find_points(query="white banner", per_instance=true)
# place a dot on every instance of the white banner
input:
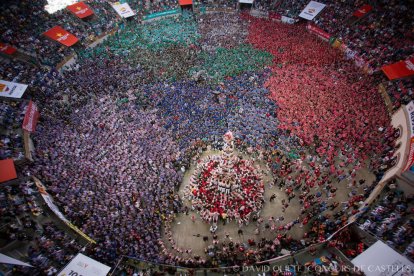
(288, 20)
(4, 259)
(12, 89)
(312, 10)
(380, 259)
(124, 10)
(410, 109)
(246, 1)
(410, 160)
(82, 265)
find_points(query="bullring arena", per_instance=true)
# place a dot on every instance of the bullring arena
(206, 138)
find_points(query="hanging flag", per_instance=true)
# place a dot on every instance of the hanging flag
(62, 36)
(7, 170)
(80, 9)
(10, 89)
(6, 49)
(123, 10)
(398, 70)
(362, 11)
(312, 10)
(31, 117)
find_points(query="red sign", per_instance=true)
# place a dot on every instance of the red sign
(6, 49)
(62, 36)
(318, 31)
(7, 170)
(80, 9)
(185, 2)
(362, 11)
(399, 69)
(31, 117)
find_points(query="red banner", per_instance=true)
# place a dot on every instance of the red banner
(80, 9)
(31, 117)
(399, 69)
(318, 31)
(62, 36)
(7, 170)
(362, 11)
(185, 2)
(6, 49)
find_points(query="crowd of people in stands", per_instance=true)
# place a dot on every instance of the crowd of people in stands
(11, 136)
(24, 222)
(112, 150)
(391, 219)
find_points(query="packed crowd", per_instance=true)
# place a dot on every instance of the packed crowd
(352, 125)
(128, 147)
(175, 86)
(391, 219)
(23, 25)
(11, 136)
(25, 223)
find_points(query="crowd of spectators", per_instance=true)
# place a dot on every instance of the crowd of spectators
(25, 224)
(391, 219)
(11, 136)
(119, 128)
(23, 26)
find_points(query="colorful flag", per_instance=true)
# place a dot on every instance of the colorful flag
(80, 9)
(62, 36)
(398, 70)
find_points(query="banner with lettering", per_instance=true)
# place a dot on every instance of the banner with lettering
(398, 70)
(82, 265)
(31, 117)
(312, 10)
(410, 160)
(123, 10)
(318, 31)
(6, 49)
(10, 89)
(62, 36)
(80, 9)
(362, 11)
